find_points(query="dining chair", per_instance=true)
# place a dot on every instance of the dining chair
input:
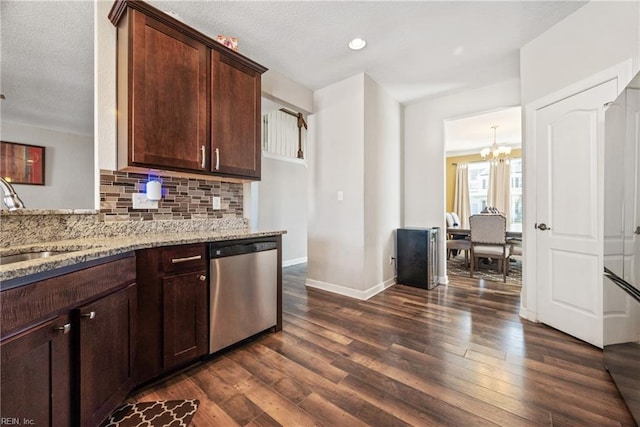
(489, 240)
(459, 245)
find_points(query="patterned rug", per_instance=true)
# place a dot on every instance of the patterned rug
(163, 413)
(457, 267)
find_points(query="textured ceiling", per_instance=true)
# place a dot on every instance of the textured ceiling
(415, 49)
(47, 64)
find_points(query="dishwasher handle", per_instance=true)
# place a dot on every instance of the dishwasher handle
(217, 251)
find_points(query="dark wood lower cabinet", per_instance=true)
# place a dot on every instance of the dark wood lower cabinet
(106, 329)
(185, 322)
(36, 378)
(172, 308)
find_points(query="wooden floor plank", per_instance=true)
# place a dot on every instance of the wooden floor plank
(456, 355)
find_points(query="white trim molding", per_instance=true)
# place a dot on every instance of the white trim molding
(350, 292)
(443, 280)
(294, 261)
(528, 314)
(282, 158)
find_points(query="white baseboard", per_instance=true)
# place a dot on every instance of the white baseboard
(294, 261)
(528, 314)
(350, 292)
(443, 280)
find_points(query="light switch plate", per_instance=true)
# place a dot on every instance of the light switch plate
(215, 202)
(140, 201)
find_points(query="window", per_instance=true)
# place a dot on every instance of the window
(478, 190)
(516, 195)
(478, 186)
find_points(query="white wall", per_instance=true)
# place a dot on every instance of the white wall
(336, 163)
(105, 90)
(354, 148)
(282, 205)
(382, 187)
(424, 151)
(279, 88)
(598, 35)
(68, 169)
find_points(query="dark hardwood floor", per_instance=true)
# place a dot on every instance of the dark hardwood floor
(458, 355)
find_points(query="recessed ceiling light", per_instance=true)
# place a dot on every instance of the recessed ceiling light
(357, 44)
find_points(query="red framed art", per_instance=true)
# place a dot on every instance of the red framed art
(22, 163)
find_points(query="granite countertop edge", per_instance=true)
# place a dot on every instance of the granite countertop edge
(38, 212)
(90, 249)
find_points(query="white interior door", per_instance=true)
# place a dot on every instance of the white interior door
(569, 152)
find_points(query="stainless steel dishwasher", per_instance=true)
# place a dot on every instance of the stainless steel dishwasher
(243, 291)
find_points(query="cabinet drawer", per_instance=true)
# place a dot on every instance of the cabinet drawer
(179, 259)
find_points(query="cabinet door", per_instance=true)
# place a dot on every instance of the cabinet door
(106, 351)
(235, 118)
(185, 317)
(168, 97)
(36, 377)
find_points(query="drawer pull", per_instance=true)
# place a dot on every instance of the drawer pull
(90, 315)
(202, 277)
(187, 259)
(64, 328)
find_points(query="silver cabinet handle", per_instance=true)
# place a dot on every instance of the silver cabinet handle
(203, 154)
(202, 277)
(64, 329)
(217, 158)
(190, 258)
(90, 315)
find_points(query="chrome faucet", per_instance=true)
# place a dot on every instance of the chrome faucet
(10, 198)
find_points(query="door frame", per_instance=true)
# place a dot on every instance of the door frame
(622, 73)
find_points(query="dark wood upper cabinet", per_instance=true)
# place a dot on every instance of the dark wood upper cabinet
(185, 102)
(168, 97)
(235, 117)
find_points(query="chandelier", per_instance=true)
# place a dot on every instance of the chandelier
(495, 152)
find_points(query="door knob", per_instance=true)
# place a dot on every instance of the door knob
(637, 230)
(542, 227)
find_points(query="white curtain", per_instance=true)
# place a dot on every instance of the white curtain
(461, 204)
(499, 194)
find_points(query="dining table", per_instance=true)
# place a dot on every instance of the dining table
(514, 237)
(458, 231)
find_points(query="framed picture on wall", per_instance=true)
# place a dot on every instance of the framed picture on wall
(22, 163)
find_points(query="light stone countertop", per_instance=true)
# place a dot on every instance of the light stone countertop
(34, 212)
(90, 249)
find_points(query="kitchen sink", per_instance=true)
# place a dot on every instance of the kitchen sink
(26, 256)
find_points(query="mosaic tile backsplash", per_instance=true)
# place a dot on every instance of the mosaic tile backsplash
(182, 198)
